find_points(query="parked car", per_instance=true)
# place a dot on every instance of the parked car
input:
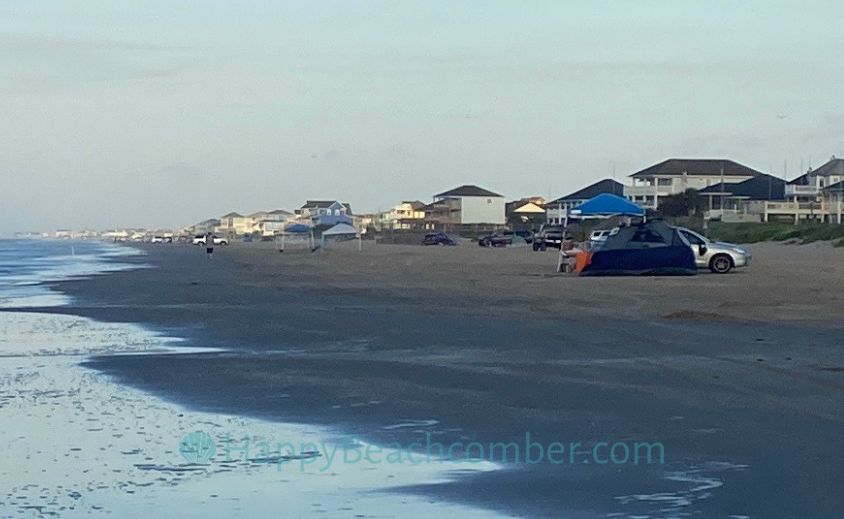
(202, 239)
(157, 239)
(719, 257)
(599, 236)
(504, 238)
(438, 238)
(548, 236)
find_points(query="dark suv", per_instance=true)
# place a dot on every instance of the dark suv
(548, 236)
(504, 238)
(438, 238)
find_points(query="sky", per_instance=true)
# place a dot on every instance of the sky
(162, 113)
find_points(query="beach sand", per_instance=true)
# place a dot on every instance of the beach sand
(739, 376)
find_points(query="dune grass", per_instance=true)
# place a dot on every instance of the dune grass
(775, 231)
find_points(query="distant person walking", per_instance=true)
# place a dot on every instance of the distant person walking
(209, 245)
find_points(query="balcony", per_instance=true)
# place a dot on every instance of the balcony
(644, 190)
(794, 190)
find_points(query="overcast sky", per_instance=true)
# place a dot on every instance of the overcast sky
(162, 113)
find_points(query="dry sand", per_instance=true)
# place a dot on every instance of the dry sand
(784, 283)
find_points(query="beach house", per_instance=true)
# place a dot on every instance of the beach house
(467, 206)
(405, 215)
(325, 213)
(750, 201)
(270, 223)
(235, 224)
(674, 176)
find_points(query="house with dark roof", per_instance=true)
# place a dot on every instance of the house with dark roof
(674, 176)
(325, 213)
(747, 201)
(809, 186)
(467, 205)
(556, 210)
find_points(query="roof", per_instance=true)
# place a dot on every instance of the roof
(703, 167)
(833, 167)
(526, 207)
(467, 190)
(607, 204)
(210, 221)
(837, 187)
(802, 180)
(607, 185)
(765, 187)
(340, 228)
(414, 204)
(232, 215)
(280, 211)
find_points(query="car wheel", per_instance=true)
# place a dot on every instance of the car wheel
(721, 264)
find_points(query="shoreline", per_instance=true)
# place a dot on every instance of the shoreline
(500, 376)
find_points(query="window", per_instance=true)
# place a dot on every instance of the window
(665, 182)
(693, 238)
(647, 236)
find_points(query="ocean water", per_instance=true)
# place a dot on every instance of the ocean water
(26, 265)
(76, 443)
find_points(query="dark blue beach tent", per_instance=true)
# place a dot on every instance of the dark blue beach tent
(648, 248)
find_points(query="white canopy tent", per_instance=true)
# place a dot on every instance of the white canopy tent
(342, 229)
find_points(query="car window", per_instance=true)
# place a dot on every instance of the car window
(693, 239)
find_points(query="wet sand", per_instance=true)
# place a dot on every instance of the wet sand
(739, 376)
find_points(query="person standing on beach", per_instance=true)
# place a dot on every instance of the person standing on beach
(209, 245)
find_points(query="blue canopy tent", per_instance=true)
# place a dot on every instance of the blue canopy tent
(298, 230)
(605, 205)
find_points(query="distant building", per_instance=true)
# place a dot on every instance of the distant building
(556, 210)
(525, 213)
(406, 215)
(674, 176)
(235, 224)
(270, 223)
(326, 213)
(204, 227)
(467, 205)
(442, 214)
(748, 201)
(809, 186)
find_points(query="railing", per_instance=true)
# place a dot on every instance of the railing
(794, 207)
(647, 190)
(794, 190)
